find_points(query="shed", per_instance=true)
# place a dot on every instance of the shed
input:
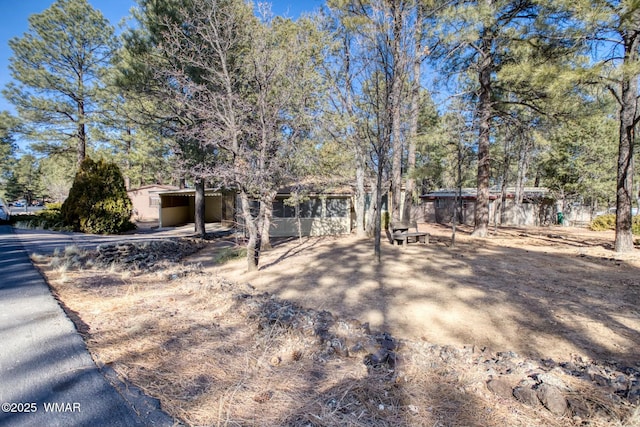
(537, 207)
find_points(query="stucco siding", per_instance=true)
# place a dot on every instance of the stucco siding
(286, 227)
(175, 216)
(213, 209)
(146, 202)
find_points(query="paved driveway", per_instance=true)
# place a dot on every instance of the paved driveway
(47, 377)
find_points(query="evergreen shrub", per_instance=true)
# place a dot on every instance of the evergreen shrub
(98, 201)
(48, 218)
(608, 222)
(603, 222)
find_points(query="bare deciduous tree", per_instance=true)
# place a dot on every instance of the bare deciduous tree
(249, 83)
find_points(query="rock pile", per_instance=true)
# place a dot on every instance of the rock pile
(145, 255)
(580, 389)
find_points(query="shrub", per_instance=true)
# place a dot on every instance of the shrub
(53, 206)
(48, 219)
(98, 201)
(608, 222)
(603, 222)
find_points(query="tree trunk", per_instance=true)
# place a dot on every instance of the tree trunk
(413, 119)
(251, 226)
(499, 214)
(358, 144)
(82, 134)
(127, 161)
(377, 218)
(360, 198)
(371, 212)
(484, 166)
(624, 237)
(628, 115)
(199, 208)
(266, 213)
(395, 103)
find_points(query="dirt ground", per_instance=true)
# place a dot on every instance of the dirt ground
(220, 346)
(545, 292)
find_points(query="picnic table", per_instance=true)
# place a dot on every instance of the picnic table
(402, 236)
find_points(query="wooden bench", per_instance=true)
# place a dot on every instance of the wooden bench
(402, 236)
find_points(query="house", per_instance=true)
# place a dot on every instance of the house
(325, 212)
(537, 207)
(146, 201)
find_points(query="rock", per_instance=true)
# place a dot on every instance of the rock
(526, 394)
(387, 342)
(578, 407)
(501, 386)
(339, 345)
(552, 399)
(620, 384)
(550, 379)
(378, 358)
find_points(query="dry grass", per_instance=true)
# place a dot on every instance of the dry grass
(219, 353)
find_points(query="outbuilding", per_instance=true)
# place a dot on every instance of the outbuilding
(177, 207)
(537, 207)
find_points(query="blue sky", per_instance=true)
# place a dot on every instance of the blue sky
(14, 16)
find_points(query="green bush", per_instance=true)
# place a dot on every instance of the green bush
(603, 222)
(608, 222)
(53, 206)
(48, 219)
(98, 201)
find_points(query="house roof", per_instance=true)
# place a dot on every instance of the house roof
(283, 192)
(190, 192)
(494, 193)
(316, 191)
(153, 186)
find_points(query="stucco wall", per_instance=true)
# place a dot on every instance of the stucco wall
(175, 216)
(528, 214)
(143, 207)
(286, 227)
(213, 209)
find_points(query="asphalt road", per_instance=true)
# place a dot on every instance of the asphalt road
(47, 377)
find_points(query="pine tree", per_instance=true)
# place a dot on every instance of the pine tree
(57, 66)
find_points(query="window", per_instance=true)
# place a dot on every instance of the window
(254, 208)
(311, 209)
(337, 208)
(282, 210)
(154, 201)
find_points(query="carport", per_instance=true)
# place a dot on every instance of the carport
(177, 207)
